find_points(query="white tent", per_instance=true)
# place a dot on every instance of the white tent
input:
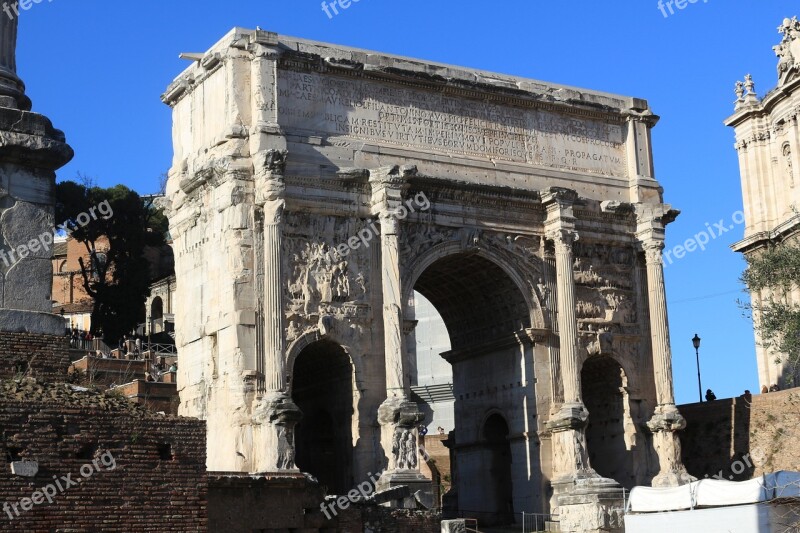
(716, 505)
(715, 493)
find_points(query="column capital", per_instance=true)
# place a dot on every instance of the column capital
(270, 186)
(388, 185)
(666, 418)
(653, 250)
(559, 196)
(563, 239)
(390, 225)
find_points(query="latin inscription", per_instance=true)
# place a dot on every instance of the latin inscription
(426, 121)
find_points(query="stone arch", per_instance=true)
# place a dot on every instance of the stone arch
(523, 280)
(308, 338)
(627, 363)
(610, 431)
(322, 386)
(495, 431)
(484, 301)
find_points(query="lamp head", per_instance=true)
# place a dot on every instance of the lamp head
(696, 341)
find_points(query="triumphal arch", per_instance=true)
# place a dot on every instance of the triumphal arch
(316, 187)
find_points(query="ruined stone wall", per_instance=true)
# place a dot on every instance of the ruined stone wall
(158, 482)
(37, 355)
(242, 504)
(721, 433)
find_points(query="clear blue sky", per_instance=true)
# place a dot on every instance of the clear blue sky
(97, 69)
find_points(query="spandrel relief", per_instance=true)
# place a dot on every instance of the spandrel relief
(320, 280)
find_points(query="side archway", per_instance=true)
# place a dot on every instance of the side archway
(323, 388)
(605, 395)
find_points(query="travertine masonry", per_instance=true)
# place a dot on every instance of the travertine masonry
(298, 248)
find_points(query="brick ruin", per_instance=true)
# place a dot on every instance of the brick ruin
(157, 481)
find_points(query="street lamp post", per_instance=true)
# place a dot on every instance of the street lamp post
(696, 343)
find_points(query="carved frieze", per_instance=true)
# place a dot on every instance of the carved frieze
(605, 291)
(321, 282)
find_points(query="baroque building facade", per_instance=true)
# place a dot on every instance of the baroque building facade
(768, 146)
(315, 187)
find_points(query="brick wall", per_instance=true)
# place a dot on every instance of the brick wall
(738, 439)
(41, 356)
(437, 468)
(105, 372)
(158, 484)
(244, 504)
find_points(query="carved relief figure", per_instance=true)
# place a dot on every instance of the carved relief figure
(787, 154)
(404, 448)
(319, 277)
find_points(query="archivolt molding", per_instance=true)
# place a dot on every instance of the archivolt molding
(305, 340)
(517, 255)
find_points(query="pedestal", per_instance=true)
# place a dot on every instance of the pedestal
(274, 419)
(399, 418)
(665, 425)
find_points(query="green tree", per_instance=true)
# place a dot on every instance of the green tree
(117, 278)
(776, 269)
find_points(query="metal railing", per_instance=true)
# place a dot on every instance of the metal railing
(159, 349)
(534, 523)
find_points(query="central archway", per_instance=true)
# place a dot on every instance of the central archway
(487, 316)
(322, 387)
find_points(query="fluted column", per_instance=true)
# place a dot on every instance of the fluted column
(397, 416)
(12, 89)
(273, 355)
(666, 421)
(549, 266)
(392, 308)
(274, 415)
(659, 325)
(568, 424)
(567, 316)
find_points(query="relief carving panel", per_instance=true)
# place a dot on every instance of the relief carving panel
(320, 283)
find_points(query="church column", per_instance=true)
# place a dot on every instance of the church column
(275, 415)
(398, 416)
(666, 421)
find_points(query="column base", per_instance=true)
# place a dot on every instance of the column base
(420, 488)
(592, 505)
(399, 418)
(665, 424)
(274, 416)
